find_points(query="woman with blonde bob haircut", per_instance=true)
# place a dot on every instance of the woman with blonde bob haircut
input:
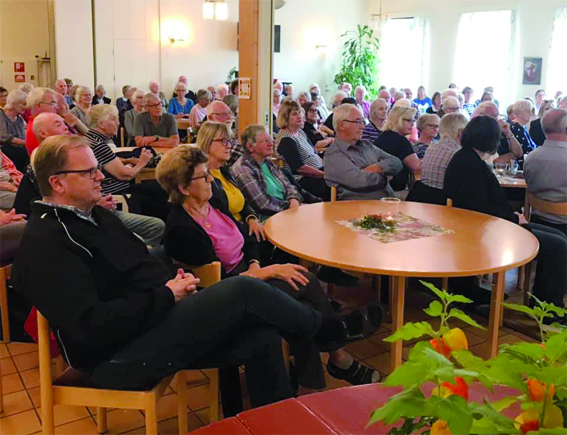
(298, 152)
(393, 140)
(214, 139)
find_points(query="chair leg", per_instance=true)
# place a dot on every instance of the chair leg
(151, 415)
(527, 281)
(214, 395)
(494, 283)
(445, 283)
(521, 274)
(376, 281)
(182, 401)
(4, 274)
(101, 421)
(1, 393)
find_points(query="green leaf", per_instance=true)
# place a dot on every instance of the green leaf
(521, 308)
(561, 393)
(461, 419)
(555, 431)
(532, 351)
(458, 299)
(435, 309)
(556, 345)
(407, 375)
(408, 403)
(505, 403)
(464, 317)
(439, 293)
(411, 331)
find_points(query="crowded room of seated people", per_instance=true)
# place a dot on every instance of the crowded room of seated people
(153, 231)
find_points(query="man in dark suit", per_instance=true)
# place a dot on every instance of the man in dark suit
(100, 97)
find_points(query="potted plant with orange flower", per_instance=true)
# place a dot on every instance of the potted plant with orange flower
(444, 368)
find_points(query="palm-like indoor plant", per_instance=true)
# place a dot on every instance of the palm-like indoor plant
(537, 371)
(360, 59)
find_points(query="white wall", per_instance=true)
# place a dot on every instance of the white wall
(74, 41)
(534, 32)
(306, 24)
(23, 35)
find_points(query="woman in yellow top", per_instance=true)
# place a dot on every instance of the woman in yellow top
(214, 140)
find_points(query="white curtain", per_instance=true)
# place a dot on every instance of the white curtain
(404, 53)
(557, 65)
(487, 58)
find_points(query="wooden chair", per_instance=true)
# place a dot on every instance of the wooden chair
(532, 201)
(71, 389)
(122, 144)
(333, 193)
(5, 272)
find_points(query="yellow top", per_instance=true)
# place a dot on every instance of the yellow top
(235, 197)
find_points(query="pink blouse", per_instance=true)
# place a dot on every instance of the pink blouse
(226, 237)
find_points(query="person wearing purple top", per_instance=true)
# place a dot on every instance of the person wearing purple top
(359, 94)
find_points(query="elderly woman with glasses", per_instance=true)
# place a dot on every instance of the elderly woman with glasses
(214, 139)
(298, 152)
(137, 102)
(180, 106)
(428, 128)
(199, 111)
(199, 233)
(13, 130)
(393, 140)
(314, 134)
(83, 99)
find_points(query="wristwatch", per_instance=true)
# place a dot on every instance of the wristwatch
(157, 138)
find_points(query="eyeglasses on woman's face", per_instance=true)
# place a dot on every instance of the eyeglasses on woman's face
(224, 141)
(206, 177)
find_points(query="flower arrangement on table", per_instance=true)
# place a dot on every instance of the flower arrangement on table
(537, 370)
(376, 222)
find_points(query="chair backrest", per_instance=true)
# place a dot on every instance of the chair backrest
(532, 201)
(333, 193)
(122, 143)
(209, 274)
(449, 202)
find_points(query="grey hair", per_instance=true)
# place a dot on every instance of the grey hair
(15, 97)
(204, 94)
(80, 91)
(360, 88)
(454, 100)
(38, 94)
(554, 121)
(484, 108)
(100, 112)
(305, 95)
(339, 94)
(343, 112)
(452, 125)
(523, 106)
(179, 85)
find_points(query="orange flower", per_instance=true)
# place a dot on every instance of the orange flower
(460, 388)
(440, 346)
(440, 427)
(536, 390)
(455, 339)
(529, 419)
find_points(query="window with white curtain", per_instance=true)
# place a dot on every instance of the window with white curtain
(486, 58)
(557, 65)
(404, 53)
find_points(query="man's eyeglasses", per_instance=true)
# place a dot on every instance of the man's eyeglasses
(52, 104)
(206, 176)
(153, 106)
(224, 141)
(358, 121)
(92, 172)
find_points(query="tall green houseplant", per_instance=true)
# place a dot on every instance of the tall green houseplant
(360, 59)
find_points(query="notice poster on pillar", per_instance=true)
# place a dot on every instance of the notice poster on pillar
(244, 88)
(19, 67)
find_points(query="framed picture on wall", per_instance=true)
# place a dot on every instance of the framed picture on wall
(532, 71)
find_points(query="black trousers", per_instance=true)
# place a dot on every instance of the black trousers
(317, 187)
(537, 220)
(239, 321)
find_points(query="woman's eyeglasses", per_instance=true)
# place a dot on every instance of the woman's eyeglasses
(225, 142)
(205, 176)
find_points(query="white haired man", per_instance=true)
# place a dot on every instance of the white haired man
(100, 96)
(154, 127)
(40, 100)
(155, 88)
(544, 168)
(359, 169)
(222, 91)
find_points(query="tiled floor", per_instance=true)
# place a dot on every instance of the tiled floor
(20, 378)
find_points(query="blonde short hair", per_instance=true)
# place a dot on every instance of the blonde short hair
(285, 112)
(177, 168)
(208, 131)
(26, 87)
(452, 125)
(523, 106)
(250, 134)
(424, 119)
(135, 94)
(80, 91)
(395, 118)
(37, 95)
(52, 156)
(99, 113)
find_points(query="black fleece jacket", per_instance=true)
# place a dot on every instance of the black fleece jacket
(97, 285)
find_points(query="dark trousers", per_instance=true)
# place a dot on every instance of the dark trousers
(537, 220)
(551, 274)
(317, 187)
(239, 321)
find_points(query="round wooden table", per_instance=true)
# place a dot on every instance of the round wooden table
(508, 181)
(480, 244)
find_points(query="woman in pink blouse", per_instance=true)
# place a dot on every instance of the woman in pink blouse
(199, 111)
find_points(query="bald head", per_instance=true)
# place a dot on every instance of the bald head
(61, 87)
(554, 124)
(486, 109)
(217, 111)
(49, 124)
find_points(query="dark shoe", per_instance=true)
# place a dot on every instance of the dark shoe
(336, 306)
(364, 322)
(333, 333)
(356, 374)
(336, 276)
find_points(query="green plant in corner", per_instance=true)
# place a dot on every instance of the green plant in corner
(360, 59)
(232, 74)
(444, 367)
